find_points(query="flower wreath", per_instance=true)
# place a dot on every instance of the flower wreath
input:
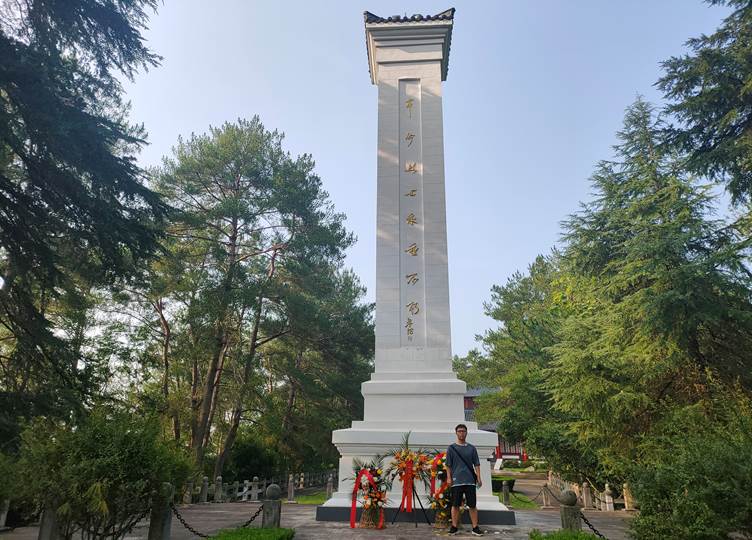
(408, 465)
(438, 498)
(370, 481)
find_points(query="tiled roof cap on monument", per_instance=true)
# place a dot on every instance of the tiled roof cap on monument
(427, 26)
(447, 15)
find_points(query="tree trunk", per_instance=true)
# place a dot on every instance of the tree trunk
(237, 411)
(221, 341)
(291, 396)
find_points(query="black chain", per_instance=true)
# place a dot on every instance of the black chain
(182, 520)
(113, 534)
(254, 516)
(592, 528)
(142, 516)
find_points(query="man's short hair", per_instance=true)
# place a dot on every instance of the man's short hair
(460, 426)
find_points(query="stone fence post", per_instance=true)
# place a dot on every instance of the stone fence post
(246, 489)
(570, 512)
(330, 486)
(609, 496)
(301, 483)
(218, 490)
(546, 497)
(505, 492)
(629, 504)
(255, 489)
(587, 498)
(203, 495)
(272, 512)
(160, 520)
(188, 493)
(291, 489)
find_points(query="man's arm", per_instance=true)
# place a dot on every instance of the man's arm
(476, 466)
(449, 475)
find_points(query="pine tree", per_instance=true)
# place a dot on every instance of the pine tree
(710, 93)
(75, 211)
(661, 300)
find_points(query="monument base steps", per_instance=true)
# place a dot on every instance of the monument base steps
(371, 439)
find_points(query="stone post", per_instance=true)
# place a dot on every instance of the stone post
(255, 488)
(160, 520)
(48, 528)
(570, 512)
(609, 496)
(629, 505)
(301, 483)
(246, 489)
(505, 492)
(272, 507)
(218, 490)
(291, 489)
(330, 486)
(203, 495)
(188, 493)
(4, 506)
(235, 488)
(587, 498)
(546, 497)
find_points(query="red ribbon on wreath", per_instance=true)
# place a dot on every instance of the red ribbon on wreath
(407, 486)
(356, 487)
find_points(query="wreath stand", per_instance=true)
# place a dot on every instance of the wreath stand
(415, 517)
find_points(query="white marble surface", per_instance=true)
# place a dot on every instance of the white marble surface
(413, 387)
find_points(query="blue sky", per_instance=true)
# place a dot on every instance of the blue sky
(535, 93)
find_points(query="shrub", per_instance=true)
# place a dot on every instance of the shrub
(697, 482)
(243, 533)
(8, 475)
(100, 475)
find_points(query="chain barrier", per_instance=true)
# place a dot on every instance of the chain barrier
(142, 516)
(592, 527)
(582, 516)
(254, 516)
(182, 520)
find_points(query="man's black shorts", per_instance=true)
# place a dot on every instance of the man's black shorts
(468, 491)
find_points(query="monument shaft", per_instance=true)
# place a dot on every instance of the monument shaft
(413, 388)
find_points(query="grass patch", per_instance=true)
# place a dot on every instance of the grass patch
(518, 501)
(317, 497)
(244, 533)
(560, 535)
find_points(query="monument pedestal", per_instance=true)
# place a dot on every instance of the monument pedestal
(413, 388)
(423, 412)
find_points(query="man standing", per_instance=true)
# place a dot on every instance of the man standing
(463, 475)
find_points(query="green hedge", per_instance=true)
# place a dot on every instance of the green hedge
(243, 533)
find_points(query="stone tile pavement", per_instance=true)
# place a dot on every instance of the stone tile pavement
(210, 518)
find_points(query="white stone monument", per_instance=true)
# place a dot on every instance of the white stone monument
(413, 388)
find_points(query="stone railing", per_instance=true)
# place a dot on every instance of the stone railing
(590, 498)
(251, 490)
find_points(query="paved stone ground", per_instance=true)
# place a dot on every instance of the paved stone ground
(209, 518)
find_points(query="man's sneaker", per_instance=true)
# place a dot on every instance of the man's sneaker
(476, 531)
(452, 530)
